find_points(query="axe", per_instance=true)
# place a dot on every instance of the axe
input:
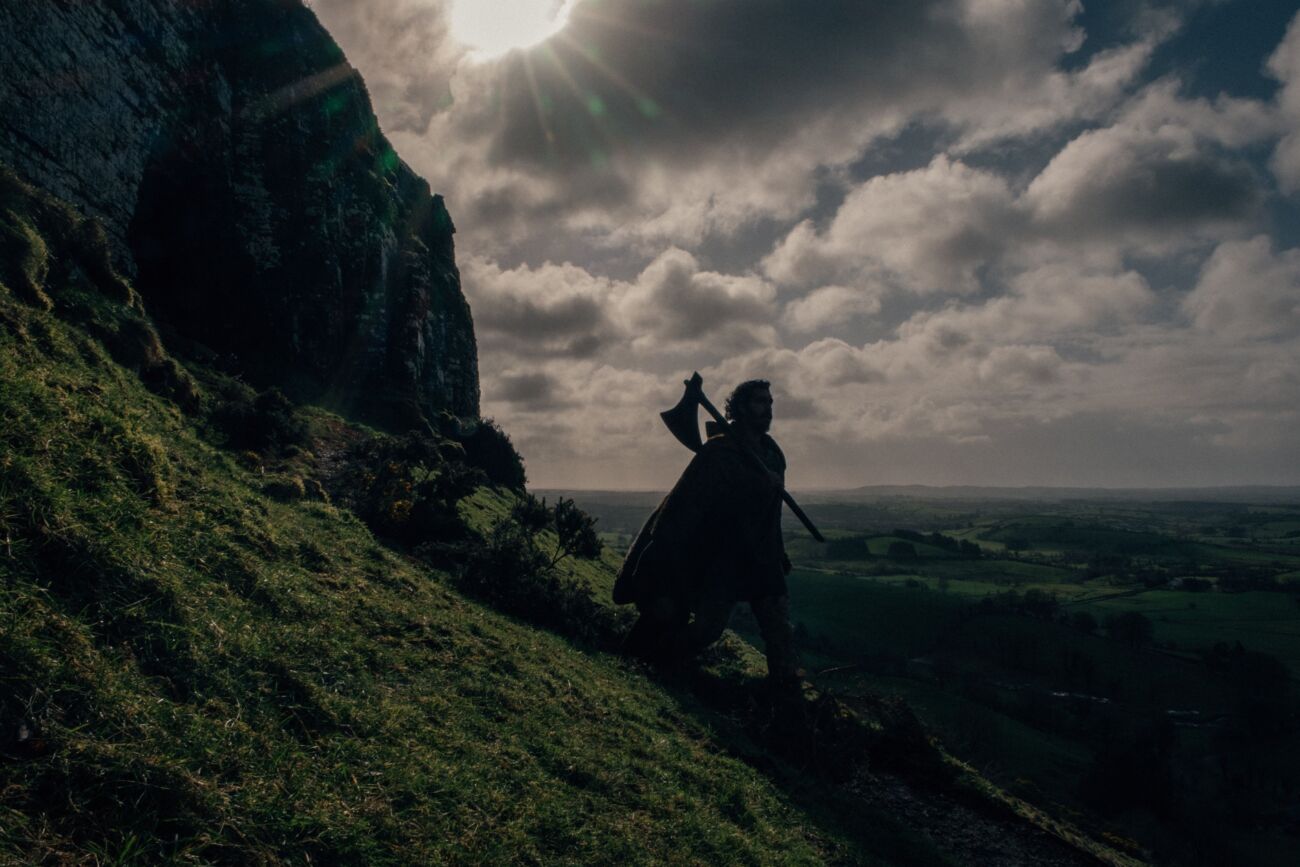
(683, 421)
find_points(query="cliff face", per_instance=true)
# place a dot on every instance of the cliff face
(233, 156)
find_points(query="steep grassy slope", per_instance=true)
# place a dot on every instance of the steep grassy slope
(191, 669)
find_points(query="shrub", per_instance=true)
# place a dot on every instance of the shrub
(576, 532)
(509, 572)
(404, 489)
(531, 514)
(488, 447)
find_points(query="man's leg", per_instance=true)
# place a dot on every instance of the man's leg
(658, 633)
(711, 617)
(773, 616)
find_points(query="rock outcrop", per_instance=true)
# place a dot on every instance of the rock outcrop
(233, 156)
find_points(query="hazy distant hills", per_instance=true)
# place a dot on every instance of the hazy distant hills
(1228, 494)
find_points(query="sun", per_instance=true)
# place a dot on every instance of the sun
(491, 28)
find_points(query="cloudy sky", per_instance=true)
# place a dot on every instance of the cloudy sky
(999, 242)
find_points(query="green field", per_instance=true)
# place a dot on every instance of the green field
(997, 655)
(1268, 622)
(867, 616)
(1008, 653)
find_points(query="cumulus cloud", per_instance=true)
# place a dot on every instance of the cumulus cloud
(555, 310)
(830, 305)
(673, 305)
(1160, 177)
(1284, 64)
(953, 233)
(926, 230)
(1042, 103)
(1247, 291)
(661, 121)
(673, 301)
(1148, 186)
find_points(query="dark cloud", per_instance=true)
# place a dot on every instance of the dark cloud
(1059, 265)
(533, 391)
(539, 320)
(664, 78)
(1113, 180)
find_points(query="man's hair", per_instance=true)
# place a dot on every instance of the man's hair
(741, 393)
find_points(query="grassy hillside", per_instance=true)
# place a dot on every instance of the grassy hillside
(203, 659)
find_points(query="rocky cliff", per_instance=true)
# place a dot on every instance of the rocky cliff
(232, 154)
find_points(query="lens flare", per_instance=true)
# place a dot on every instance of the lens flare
(492, 28)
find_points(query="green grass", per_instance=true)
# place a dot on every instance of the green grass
(1268, 622)
(223, 674)
(215, 676)
(864, 616)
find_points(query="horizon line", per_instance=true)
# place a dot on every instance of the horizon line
(1221, 487)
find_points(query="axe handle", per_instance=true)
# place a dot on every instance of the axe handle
(785, 495)
(799, 513)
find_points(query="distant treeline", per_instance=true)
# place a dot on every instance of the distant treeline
(960, 547)
(859, 547)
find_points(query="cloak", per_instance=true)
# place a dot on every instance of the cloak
(718, 532)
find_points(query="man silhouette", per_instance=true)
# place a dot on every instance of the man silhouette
(714, 541)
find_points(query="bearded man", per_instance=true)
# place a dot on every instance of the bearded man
(714, 541)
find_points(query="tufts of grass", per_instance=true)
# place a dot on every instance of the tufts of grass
(207, 655)
(194, 671)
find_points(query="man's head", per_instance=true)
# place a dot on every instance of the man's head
(750, 405)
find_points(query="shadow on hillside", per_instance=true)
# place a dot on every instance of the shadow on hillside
(814, 748)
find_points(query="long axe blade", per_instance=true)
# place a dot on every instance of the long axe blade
(683, 420)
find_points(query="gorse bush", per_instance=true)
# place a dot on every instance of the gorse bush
(406, 488)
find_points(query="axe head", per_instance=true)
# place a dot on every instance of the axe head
(683, 419)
